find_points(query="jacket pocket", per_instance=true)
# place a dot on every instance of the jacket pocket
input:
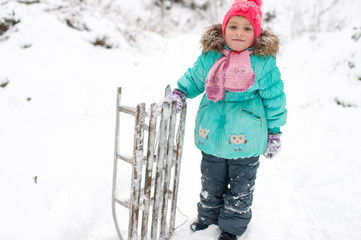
(252, 114)
(200, 115)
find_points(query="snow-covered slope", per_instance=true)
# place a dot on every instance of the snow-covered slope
(57, 105)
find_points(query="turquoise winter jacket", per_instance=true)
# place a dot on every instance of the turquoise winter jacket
(238, 125)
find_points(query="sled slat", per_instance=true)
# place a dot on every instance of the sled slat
(177, 162)
(159, 170)
(167, 170)
(137, 171)
(149, 169)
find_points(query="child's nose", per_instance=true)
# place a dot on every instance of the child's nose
(239, 33)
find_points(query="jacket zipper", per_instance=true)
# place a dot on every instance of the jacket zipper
(221, 128)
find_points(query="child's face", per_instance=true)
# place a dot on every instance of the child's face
(239, 33)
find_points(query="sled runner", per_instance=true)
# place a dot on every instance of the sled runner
(156, 160)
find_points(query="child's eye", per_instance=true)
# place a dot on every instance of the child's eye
(248, 29)
(233, 27)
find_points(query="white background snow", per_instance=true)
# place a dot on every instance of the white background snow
(57, 116)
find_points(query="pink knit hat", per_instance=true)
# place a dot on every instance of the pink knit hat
(250, 9)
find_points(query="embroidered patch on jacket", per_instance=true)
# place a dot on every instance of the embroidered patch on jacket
(202, 135)
(237, 141)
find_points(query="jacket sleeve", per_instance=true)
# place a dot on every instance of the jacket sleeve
(193, 81)
(273, 96)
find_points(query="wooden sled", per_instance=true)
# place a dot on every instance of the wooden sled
(156, 161)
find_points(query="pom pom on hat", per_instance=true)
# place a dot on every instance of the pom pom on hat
(258, 2)
(250, 9)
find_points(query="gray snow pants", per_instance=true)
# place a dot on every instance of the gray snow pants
(227, 192)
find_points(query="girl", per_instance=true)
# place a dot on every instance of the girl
(239, 117)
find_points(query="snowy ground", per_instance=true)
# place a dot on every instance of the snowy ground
(57, 116)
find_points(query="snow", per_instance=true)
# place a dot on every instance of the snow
(57, 119)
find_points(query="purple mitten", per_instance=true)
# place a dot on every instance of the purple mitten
(273, 145)
(176, 95)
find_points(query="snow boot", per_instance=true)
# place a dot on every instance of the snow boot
(198, 226)
(227, 236)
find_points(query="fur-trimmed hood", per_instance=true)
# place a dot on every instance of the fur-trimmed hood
(266, 44)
